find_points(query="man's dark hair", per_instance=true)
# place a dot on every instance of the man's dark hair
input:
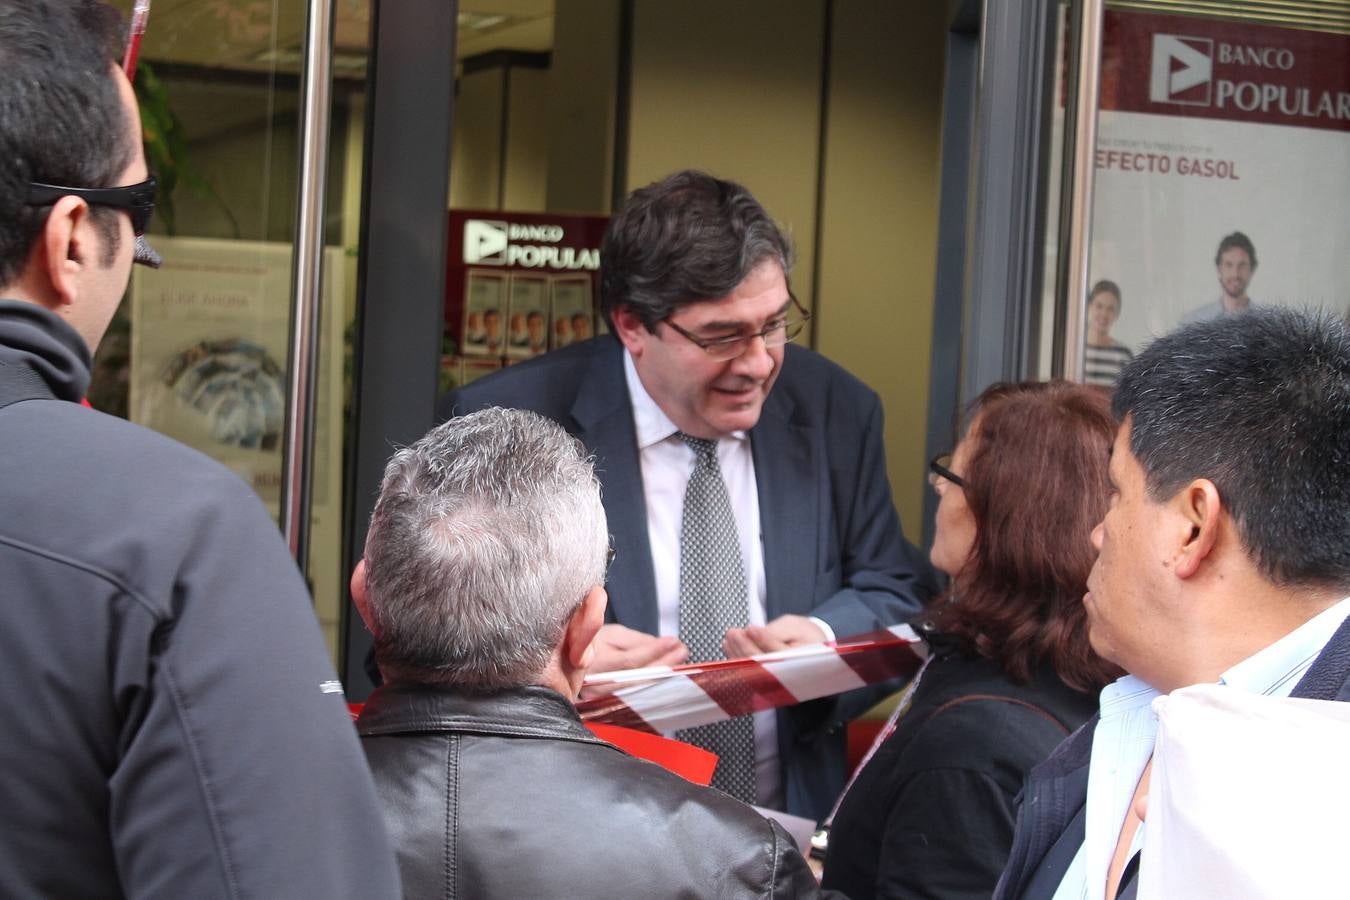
(687, 238)
(1239, 240)
(61, 119)
(1109, 287)
(1259, 404)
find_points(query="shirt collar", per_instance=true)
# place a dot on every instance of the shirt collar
(1124, 694)
(650, 421)
(1277, 668)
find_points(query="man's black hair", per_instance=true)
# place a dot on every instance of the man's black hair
(1239, 240)
(61, 118)
(1259, 404)
(687, 238)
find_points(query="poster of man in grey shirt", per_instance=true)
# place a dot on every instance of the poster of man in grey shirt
(1235, 262)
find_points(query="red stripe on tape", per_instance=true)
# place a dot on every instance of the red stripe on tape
(749, 688)
(613, 711)
(875, 664)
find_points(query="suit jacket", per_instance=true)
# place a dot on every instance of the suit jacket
(1051, 820)
(832, 542)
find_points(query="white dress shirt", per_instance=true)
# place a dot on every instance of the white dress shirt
(1123, 743)
(667, 462)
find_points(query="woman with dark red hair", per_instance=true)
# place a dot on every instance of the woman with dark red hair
(1010, 671)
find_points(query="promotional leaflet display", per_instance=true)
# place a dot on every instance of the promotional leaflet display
(517, 285)
(1213, 136)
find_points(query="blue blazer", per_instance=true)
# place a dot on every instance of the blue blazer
(832, 542)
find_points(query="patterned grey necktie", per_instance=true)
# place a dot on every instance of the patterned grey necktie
(713, 598)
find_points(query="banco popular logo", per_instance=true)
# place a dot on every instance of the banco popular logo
(485, 241)
(1183, 70)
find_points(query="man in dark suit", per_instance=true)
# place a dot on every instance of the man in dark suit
(1223, 558)
(744, 479)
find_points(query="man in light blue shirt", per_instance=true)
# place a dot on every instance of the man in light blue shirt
(1223, 558)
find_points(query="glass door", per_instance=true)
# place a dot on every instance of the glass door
(200, 347)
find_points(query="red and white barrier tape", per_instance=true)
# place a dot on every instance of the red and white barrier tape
(661, 699)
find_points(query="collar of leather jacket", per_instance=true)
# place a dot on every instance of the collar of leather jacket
(529, 711)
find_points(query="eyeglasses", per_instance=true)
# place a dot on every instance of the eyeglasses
(610, 553)
(137, 199)
(940, 468)
(775, 334)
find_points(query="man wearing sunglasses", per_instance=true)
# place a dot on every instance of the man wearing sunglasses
(172, 723)
(744, 478)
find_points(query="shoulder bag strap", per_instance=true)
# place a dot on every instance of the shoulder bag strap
(968, 698)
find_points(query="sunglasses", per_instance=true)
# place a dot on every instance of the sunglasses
(137, 199)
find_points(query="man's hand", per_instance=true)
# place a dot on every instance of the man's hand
(618, 647)
(782, 632)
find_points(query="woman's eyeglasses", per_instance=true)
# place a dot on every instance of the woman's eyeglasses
(940, 468)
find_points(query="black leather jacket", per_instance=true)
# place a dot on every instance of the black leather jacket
(509, 796)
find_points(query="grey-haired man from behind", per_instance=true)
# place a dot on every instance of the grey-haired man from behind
(482, 583)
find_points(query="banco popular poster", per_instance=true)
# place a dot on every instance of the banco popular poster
(1220, 136)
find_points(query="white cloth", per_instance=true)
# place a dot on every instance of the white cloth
(1126, 734)
(666, 466)
(1247, 798)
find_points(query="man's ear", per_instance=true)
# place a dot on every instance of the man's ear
(1199, 506)
(628, 328)
(65, 248)
(578, 649)
(359, 597)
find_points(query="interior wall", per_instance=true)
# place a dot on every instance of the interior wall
(583, 86)
(243, 143)
(733, 88)
(476, 140)
(879, 219)
(500, 138)
(525, 187)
